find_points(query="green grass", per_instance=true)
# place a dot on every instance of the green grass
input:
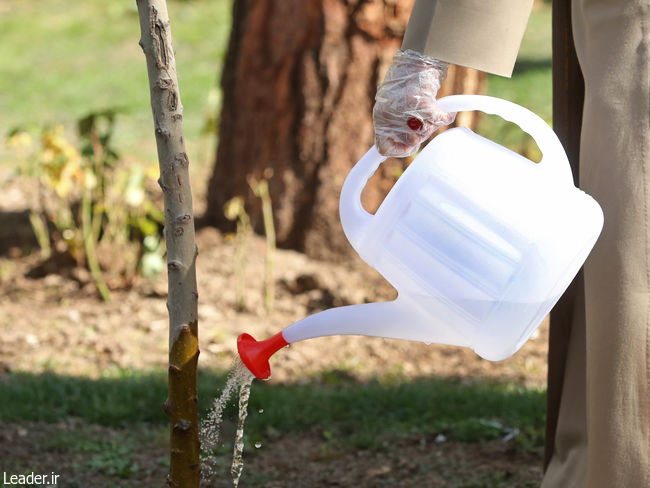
(530, 85)
(62, 59)
(101, 457)
(358, 414)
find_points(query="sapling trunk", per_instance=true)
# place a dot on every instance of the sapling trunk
(181, 405)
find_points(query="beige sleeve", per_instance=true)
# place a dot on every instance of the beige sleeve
(480, 34)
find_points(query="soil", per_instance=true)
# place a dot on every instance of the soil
(415, 462)
(137, 458)
(76, 333)
(53, 320)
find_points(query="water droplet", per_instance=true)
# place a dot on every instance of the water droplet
(258, 445)
(261, 410)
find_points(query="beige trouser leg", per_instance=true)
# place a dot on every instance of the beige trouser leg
(568, 466)
(612, 41)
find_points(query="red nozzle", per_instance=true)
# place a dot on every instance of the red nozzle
(255, 355)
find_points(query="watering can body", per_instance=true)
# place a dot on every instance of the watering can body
(479, 242)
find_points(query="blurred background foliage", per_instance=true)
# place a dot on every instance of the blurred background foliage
(56, 67)
(61, 75)
(76, 125)
(87, 198)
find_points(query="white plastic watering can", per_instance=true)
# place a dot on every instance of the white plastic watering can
(479, 242)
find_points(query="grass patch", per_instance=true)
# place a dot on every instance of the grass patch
(530, 86)
(56, 67)
(62, 59)
(112, 459)
(364, 413)
(358, 414)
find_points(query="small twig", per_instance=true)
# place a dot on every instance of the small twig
(39, 226)
(234, 210)
(261, 190)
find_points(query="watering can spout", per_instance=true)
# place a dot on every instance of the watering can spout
(255, 354)
(383, 319)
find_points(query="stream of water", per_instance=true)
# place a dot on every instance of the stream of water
(238, 451)
(240, 379)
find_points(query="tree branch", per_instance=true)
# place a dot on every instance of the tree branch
(181, 404)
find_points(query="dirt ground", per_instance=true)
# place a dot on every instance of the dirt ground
(55, 322)
(75, 333)
(137, 458)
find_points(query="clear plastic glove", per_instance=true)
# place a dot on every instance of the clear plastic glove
(405, 113)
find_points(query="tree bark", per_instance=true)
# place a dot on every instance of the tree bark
(298, 87)
(181, 405)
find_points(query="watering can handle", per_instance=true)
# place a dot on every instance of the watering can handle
(354, 218)
(553, 156)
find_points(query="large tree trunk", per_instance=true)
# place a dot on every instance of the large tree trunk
(298, 89)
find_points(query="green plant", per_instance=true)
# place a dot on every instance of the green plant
(113, 460)
(55, 167)
(329, 448)
(104, 456)
(261, 190)
(89, 203)
(234, 210)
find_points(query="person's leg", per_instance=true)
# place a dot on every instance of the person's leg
(568, 465)
(613, 42)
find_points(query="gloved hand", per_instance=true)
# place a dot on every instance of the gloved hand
(405, 112)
